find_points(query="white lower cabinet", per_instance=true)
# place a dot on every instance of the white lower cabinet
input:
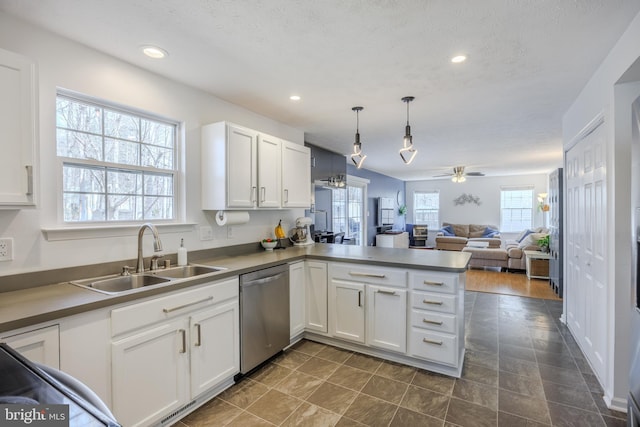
(40, 345)
(296, 299)
(316, 296)
(386, 318)
(160, 366)
(346, 310)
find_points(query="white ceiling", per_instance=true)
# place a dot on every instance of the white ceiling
(499, 112)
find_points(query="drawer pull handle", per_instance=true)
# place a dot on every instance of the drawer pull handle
(379, 276)
(184, 340)
(198, 335)
(428, 341)
(428, 282)
(433, 322)
(426, 301)
(387, 292)
(180, 307)
(359, 298)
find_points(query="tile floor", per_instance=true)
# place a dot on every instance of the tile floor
(522, 368)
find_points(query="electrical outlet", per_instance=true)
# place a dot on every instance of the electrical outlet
(230, 232)
(6, 249)
(206, 233)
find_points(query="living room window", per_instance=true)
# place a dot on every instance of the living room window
(516, 208)
(117, 164)
(426, 208)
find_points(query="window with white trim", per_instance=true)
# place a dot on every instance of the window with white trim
(516, 208)
(426, 208)
(118, 165)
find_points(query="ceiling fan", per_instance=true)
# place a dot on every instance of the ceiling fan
(459, 175)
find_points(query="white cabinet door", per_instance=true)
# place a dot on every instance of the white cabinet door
(346, 310)
(296, 175)
(296, 298)
(269, 175)
(241, 167)
(316, 296)
(215, 344)
(150, 373)
(39, 345)
(17, 130)
(387, 318)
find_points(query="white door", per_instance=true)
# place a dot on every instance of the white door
(150, 373)
(296, 175)
(241, 167)
(587, 296)
(346, 310)
(316, 296)
(296, 299)
(387, 318)
(215, 340)
(269, 167)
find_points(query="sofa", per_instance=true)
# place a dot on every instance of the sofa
(509, 257)
(454, 237)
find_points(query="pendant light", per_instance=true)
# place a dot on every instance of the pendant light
(407, 152)
(357, 157)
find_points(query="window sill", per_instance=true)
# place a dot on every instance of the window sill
(94, 232)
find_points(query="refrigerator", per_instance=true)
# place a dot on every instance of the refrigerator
(633, 406)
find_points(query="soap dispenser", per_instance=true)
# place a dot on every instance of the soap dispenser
(182, 253)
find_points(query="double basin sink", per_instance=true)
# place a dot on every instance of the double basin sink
(117, 284)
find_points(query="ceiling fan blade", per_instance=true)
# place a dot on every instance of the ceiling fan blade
(474, 174)
(446, 174)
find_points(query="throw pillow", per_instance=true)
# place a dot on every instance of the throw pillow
(447, 231)
(461, 230)
(523, 235)
(531, 240)
(490, 233)
(476, 234)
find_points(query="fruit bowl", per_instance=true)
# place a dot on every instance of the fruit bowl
(269, 244)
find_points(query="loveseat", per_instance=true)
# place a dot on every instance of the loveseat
(454, 237)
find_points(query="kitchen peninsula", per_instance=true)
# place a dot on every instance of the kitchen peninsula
(403, 305)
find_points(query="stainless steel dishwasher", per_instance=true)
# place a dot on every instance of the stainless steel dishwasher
(264, 315)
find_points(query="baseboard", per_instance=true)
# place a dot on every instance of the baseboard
(615, 403)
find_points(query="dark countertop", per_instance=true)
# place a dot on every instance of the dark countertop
(30, 306)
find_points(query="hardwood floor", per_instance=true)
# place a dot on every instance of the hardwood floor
(495, 282)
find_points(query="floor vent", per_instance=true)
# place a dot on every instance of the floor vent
(177, 412)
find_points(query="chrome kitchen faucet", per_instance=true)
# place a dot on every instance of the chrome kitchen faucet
(157, 244)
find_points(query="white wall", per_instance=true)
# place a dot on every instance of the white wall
(600, 95)
(66, 64)
(486, 188)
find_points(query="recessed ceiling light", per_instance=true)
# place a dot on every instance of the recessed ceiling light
(295, 97)
(458, 59)
(154, 52)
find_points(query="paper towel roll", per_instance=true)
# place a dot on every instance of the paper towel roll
(232, 217)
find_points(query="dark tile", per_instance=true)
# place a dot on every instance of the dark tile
(517, 352)
(332, 397)
(593, 383)
(488, 345)
(562, 416)
(441, 383)
(216, 412)
(578, 397)
(349, 377)
(528, 386)
(385, 389)
(244, 393)
(550, 346)
(560, 360)
(299, 385)
(406, 418)
(348, 422)
(370, 411)
(563, 376)
(481, 358)
(364, 362)
(308, 415)
(510, 420)
(480, 374)
(334, 354)
(291, 359)
(477, 393)
(583, 365)
(274, 406)
(270, 374)
(245, 419)
(318, 367)
(614, 422)
(467, 414)
(520, 367)
(604, 410)
(425, 401)
(308, 347)
(523, 406)
(396, 371)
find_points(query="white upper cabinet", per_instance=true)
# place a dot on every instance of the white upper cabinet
(17, 130)
(296, 175)
(247, 169)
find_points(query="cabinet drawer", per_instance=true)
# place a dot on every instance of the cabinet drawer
(158, 309)
(435, 321)
(441, 348)
(434, 282)
(432, 301)
(369, 274)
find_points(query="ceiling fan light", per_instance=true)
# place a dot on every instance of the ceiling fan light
(458, 178)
